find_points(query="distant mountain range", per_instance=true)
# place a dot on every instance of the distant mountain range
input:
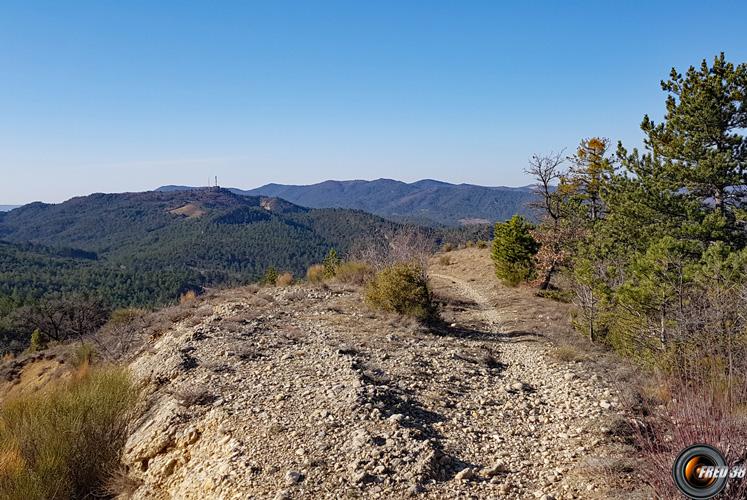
(428, 202)
(8, 208)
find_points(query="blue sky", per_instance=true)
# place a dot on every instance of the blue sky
(123, 95)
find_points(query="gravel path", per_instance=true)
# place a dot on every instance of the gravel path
(304, 393)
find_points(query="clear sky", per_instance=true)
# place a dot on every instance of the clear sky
(129, 95)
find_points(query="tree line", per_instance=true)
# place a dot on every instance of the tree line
(651, 242)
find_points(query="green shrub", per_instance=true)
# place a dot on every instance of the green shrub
(315, 273)
(354, 273)
(64, 442)
(513, 251)
(38, 342)
(563, 296)
(482, 244)
(331, 263)
(402, 288)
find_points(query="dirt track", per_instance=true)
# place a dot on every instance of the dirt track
(303, 392)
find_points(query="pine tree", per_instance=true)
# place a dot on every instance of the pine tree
(331, 263)
(692, 178)
(513, 250)
(270, 276)
(589, 176)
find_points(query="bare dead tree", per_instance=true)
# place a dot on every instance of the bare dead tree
(548, 172)
(405, 244)
(63, 318)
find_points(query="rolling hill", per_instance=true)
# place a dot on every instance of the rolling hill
(427, 202)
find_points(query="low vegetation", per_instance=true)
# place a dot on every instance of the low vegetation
(65, 441)
(284, 279)
(402, 288)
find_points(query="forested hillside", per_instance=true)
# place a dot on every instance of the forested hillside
(143, 249)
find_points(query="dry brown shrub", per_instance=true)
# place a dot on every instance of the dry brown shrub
(195, 395)
(354, 273)
(315, 274)
(693, 414)
(188, 297)
(285, 279)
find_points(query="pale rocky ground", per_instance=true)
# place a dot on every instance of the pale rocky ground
(303, 392)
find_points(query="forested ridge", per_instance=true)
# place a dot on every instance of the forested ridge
(426, 202)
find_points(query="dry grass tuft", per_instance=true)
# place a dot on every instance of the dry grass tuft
(83, 355)
(444, 260)
(568, 354)
(315, 274)
(188, 297)
(64, 441)
(121, 485)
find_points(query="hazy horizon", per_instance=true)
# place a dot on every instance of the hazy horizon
(113, 98)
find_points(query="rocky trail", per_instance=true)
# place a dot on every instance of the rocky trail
(303, 392)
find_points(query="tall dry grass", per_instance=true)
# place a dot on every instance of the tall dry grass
(65, 441)
(682, 414)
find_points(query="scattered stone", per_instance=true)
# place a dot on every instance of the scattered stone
(497, 468)
(282, 495)
(465, 474)
(396, 418)
(293, 477)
